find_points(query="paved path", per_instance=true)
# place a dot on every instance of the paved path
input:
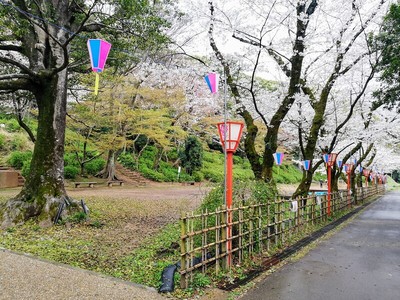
(24, 277)
(361, 261)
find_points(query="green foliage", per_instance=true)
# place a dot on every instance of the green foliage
(78, 217)
(151, 173)
(287, 173)
(70, 160)
(17, 159)
(12, 125)
(19, 142)
(2, 141)
(388, 42)
(198, 176)
(201, 281)
(192, 155)
(213, 166)
(127, 160)
(213, 200)
(70, 172)
(145, 264)
(26, 168)
(95, 166)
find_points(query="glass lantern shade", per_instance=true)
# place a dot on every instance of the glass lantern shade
(332, 159)
(348, 167)
(366, 172)
(232, 132)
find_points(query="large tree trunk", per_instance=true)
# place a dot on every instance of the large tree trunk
(109, 170)
(44, 190)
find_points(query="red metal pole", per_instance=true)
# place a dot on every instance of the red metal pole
(229, 191)
(348, 187)
(329, 190)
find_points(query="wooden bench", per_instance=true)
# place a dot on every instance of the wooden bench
(119, 182)
(78, 184)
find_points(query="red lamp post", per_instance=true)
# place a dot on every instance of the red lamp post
(229, 134)
(366, 173)
(348, 169)
(330, 162)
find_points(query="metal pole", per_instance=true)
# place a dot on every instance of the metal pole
(229, 192)
(225, 146)
(329, 189)
(348, 187)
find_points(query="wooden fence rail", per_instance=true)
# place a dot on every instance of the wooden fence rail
(254, 228)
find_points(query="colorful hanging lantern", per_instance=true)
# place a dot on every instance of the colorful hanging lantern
(326, 158)
(339, 163)
(212, 80)
(278, 157)
(306, 164)
(98, 51)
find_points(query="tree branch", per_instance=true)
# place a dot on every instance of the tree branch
(15, 85)
(23, 68)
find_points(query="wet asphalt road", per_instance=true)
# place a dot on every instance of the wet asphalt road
(361, 261)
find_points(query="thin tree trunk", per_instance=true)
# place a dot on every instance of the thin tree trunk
(109, 172)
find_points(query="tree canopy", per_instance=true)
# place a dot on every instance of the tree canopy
(388, 42)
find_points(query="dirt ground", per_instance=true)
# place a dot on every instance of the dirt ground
(129, 214)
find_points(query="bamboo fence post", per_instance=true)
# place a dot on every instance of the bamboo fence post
(224, 234)
(240, 234)
(183, 282)
(191, 243)
(276, 218)
(260, 231)
(268, 225)
(280, 220)
(217, 240)
(204, 231)
(251, 230)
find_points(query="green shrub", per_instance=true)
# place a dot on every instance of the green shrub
(127, 161)
(26, 168)
(213, 175)
(192, 156)
(95, 166)
(214, 199)
(70, 172)
(151, 174)
(18, 158)
(71, 160)
(12, 125)
(170, 174)
(185, 177)
(19, 142)
(237, 160)
(2, 141)
(198, 176)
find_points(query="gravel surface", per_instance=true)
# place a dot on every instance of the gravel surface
(25, 277)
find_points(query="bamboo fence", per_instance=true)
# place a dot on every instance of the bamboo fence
(254, 229)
